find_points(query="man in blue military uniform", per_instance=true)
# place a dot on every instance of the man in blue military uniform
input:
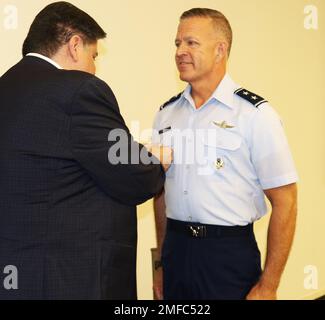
(230, 150)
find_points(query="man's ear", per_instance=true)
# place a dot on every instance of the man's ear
(221, 51)
(74, 46)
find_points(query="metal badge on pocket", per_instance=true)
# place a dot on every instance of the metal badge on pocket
(219, 164)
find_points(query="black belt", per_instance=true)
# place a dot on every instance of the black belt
(199, 230)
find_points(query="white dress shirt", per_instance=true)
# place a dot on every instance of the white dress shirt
(37, 55)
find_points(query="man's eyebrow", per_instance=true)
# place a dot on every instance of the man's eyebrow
(187, 38)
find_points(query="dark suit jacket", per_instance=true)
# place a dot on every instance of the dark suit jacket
(67, 216)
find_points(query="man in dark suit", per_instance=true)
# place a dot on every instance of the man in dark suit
(67, 213)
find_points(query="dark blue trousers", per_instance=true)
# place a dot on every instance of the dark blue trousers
(220, 267)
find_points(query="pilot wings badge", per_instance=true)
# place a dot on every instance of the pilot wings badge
(223, 125)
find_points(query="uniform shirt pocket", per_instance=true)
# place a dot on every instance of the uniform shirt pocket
(220, 150)
(223, 140)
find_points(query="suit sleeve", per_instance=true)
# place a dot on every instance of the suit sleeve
(95, 117)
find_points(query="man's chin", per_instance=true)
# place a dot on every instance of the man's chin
(184, 77)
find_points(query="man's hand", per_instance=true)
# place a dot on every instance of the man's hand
(164, 154)
(261, 292)
(158, 284)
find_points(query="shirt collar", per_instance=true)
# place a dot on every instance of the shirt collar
(37, 55)
(187, 95)
(224, 92)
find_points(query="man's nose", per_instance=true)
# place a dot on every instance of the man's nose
(181, 50)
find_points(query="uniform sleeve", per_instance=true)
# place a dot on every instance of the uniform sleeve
(271, 154)
(94, 116)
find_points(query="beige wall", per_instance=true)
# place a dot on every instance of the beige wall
(273, 55)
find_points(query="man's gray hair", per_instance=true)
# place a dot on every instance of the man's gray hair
(221, 22)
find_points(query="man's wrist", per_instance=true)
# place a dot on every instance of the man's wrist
(269, 284)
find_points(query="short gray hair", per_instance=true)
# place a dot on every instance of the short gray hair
(221, 22)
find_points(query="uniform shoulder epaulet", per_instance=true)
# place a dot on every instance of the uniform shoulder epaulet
(251, 97)
(173, 99)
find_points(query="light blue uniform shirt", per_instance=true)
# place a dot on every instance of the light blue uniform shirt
(225, 154)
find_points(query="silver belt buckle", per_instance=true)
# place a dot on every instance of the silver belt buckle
(198, 231)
